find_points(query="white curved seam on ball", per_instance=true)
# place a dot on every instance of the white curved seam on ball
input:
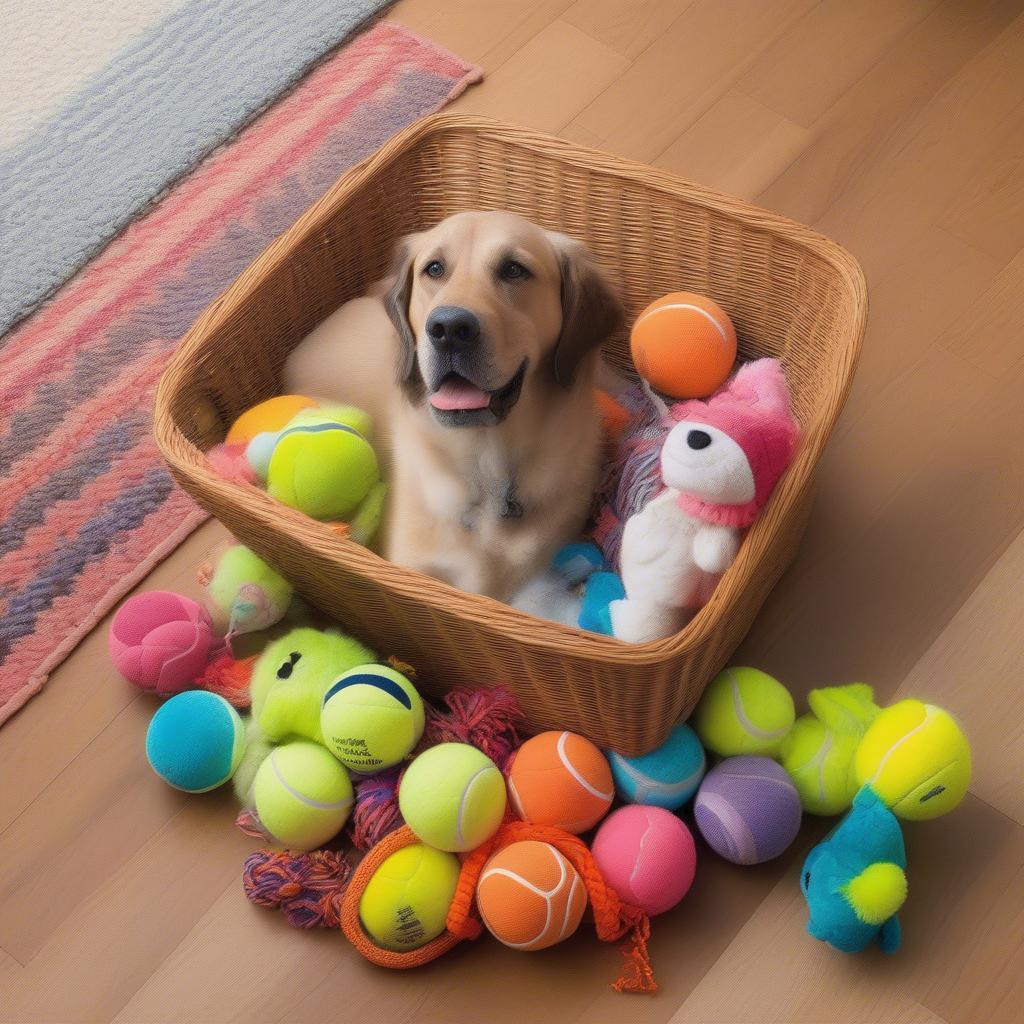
(730, 817)
(570, 768)
(568, 908)
(307, 800)
(737, 705)
(639, 855)
(462, 802)
(818, 761)
(684, 305)
(928, 709)
(646, 785)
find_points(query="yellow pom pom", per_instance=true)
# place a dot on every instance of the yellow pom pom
(877, 892)
(916, 758)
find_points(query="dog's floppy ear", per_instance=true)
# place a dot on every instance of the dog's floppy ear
(396, 302)
(591, 311)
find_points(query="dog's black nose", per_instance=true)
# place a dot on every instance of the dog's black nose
(453, 328)
(698, 439)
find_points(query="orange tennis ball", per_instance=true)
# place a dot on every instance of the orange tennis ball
(684, 345)
(530, 896)
(561, 779)
(267, 417)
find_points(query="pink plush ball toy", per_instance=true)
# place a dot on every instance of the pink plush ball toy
(647, 855)
(161, 641)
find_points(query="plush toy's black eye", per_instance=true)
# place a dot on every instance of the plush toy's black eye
(510, 270)
(285, 671)
(435, 269)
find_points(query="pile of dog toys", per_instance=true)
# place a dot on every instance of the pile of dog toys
(465, 827)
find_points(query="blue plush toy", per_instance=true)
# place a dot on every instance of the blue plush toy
(554, 594)
(855, 880)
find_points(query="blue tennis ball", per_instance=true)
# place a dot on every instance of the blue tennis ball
(195, 741)
(666, 777)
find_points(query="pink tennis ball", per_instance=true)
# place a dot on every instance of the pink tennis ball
(647, 855)
(160, 641)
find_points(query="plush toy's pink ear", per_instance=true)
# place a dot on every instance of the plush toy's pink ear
(763, 383)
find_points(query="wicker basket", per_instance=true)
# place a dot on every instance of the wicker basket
(791, 293)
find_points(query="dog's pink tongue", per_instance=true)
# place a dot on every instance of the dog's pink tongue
(459, 394)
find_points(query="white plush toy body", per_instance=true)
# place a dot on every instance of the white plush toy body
(719, 464)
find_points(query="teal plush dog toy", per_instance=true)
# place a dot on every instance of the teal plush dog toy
(855, 880)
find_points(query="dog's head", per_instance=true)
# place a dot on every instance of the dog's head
(488, 307)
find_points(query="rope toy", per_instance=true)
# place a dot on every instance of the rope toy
(613, 919)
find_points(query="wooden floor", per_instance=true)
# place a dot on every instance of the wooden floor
(896, 126)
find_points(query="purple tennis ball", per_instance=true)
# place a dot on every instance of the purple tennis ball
(747, 809)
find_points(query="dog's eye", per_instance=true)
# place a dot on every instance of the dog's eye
(512, 271)
(435, 269)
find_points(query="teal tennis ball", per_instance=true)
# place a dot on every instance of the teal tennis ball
(453, 797)
(195, 741)
(744, 711)
(371, 718)
(666, 776)
(324, 469)
(303, 795)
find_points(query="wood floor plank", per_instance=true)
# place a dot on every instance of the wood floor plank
(111, 938)
(627, 28)
(989, 334)
(774, 972)
(84, 696)
(872, 116)
(974, 668)
(654, 101)
(548, 81)
(833, 46)
(738, 146)
(989, 211)
(873, 595)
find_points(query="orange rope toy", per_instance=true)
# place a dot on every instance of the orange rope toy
(612, 918)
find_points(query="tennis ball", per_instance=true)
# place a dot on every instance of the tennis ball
(647, 855)
(453, 797)
(667, 776)
(747, 810)
(684, 344)
(744, 711)
(561, 779)
(530, 896)
(303, 795)
(322, 467)
(406, 901)
(195, 741)
(271, 415)
(371, 718)
(820, 763)
(916, 758)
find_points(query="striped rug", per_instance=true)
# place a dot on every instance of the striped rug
(86, 506)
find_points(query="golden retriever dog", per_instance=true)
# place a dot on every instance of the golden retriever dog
(477, 360)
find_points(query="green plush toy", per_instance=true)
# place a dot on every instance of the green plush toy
(291, 677)
(819, 751)
(245, 594)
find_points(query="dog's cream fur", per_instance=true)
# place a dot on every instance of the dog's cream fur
(482, 507)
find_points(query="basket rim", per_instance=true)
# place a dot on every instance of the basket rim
(188, 462)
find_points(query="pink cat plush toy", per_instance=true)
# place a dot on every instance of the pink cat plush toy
(719, 464)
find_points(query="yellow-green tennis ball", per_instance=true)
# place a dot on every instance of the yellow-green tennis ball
(453, 797)
(820, 763)
(916, 758)
(371, 718)
(406, 901)
(744, 711)
(303, 795)
(322, 468)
